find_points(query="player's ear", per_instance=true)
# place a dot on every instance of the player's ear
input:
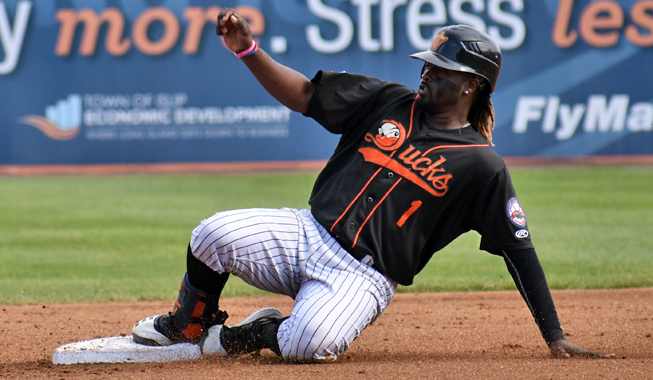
(471, 84)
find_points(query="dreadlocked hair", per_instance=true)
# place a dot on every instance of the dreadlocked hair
(481, 115)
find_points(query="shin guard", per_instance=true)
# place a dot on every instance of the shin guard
(195, 311)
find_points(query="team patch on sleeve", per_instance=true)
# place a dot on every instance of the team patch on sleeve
(516, 213)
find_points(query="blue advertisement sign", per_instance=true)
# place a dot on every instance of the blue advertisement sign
(148, 81)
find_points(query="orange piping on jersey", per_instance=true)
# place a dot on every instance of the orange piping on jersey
(374, 156)
(412, 112)
(453, 147)
(373, 210)
(410, 129)
(355, 198)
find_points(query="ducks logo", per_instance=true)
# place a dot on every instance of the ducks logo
(391, 135)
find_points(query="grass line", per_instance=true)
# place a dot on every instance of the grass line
(81, 239)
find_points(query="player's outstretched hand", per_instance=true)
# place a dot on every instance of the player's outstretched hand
(565, 349)
(234, 30)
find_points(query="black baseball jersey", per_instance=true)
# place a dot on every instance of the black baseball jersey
(399, 191)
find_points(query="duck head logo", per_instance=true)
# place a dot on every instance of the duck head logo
(391, 135)
(438, 40)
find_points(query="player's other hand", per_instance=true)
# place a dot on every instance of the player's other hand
(234, 30)
(565, 349)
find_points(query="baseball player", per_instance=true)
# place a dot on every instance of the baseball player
(412, 171)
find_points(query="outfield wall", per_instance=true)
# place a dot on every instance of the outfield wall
(146, 82)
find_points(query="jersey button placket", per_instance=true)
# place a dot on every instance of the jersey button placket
(370, 199)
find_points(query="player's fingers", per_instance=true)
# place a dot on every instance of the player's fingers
(225, 15)
(559, 351)
(576, 350)
(243, 26)
(239, 23)
(564, 349)
(591, 353)
(230, 20)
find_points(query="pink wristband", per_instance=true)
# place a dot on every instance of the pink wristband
(249, 51)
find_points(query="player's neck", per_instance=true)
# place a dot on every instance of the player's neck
(444, 113)
(446, 121)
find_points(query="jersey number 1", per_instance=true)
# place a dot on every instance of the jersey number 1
(413, 207)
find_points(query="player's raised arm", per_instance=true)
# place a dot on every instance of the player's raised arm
(289, 87)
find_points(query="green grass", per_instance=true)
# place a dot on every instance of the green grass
(85, 239)
(592, 228)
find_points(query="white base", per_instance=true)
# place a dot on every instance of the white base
(123, 349)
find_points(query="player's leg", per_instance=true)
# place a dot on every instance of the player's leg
(322, 325)
(258, 245)
(262, 247)
(340, 298)
(326, 320)
(194, 311)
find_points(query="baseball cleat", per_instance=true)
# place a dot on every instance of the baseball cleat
(257, 331)
(145, 333)
(159, 330)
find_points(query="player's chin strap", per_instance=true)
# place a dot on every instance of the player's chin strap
(195, 311)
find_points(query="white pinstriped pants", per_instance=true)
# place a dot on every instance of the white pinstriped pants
(288, 252)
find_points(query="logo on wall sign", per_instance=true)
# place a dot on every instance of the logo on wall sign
(390, 136)
(516, 213)
(62, 121)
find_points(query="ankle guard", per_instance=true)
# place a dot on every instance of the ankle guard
(195, 311)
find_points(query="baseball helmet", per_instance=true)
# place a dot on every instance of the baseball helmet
(463, 48)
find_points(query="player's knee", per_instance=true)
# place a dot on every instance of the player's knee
(206, 244)
(312, 353)
(321, 352)
(316, 343)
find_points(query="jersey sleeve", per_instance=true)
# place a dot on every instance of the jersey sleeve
(342, 100)
(526, 271)
(498, 216)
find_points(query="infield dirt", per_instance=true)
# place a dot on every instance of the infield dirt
(481, 335)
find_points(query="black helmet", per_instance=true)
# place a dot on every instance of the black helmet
(463, 48)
